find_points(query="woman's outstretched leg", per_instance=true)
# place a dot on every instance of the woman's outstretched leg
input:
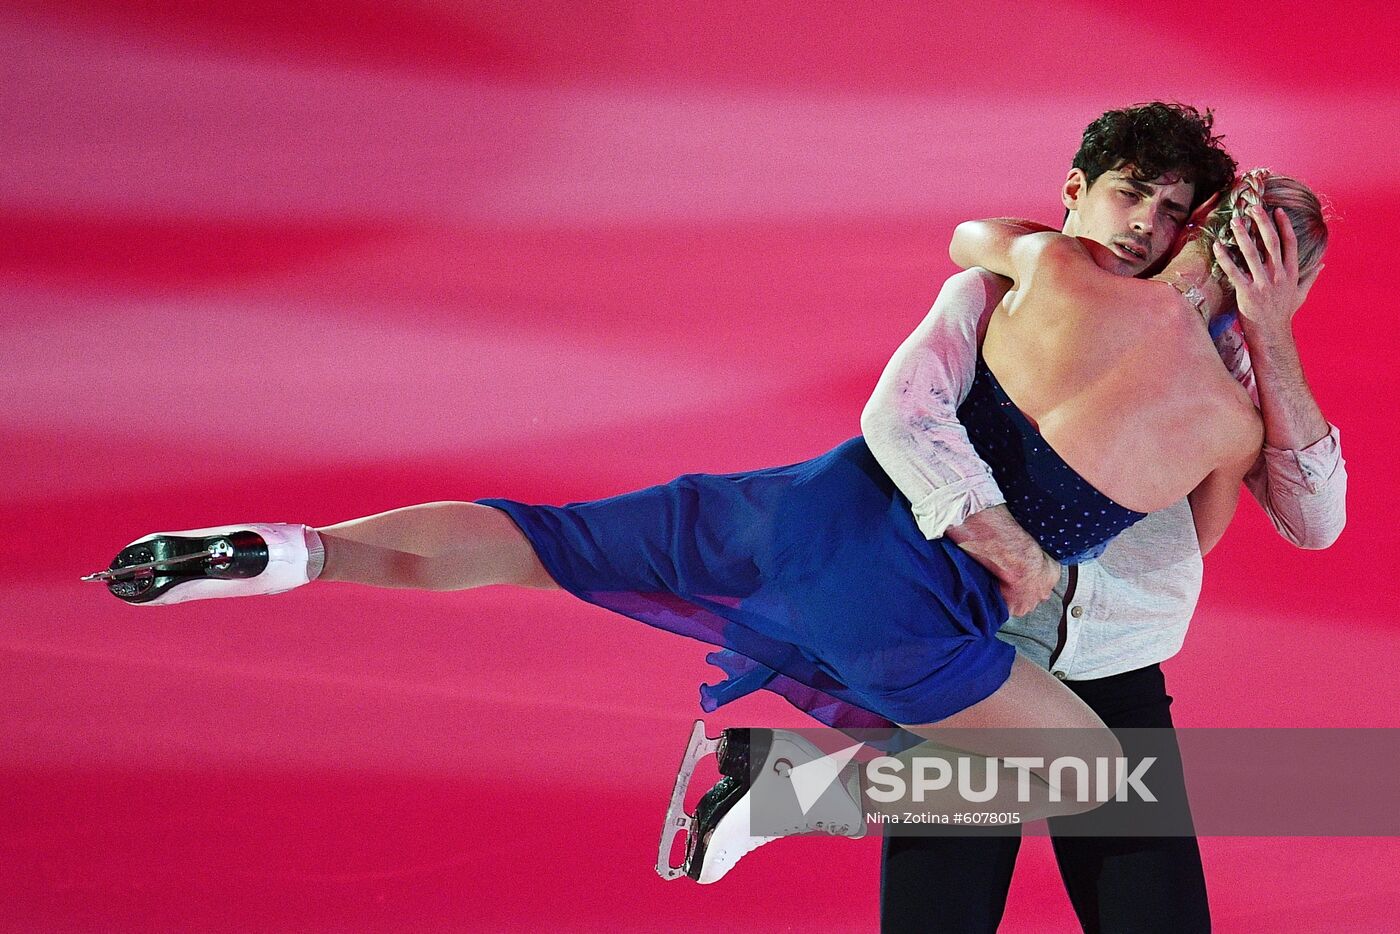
(432, 546)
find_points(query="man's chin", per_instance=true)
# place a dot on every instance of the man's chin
(1132, 265)
(1110, 260)
(1115, 264)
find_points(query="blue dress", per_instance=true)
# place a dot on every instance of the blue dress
(815, 580)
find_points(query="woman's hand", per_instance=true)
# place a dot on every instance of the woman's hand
(1270, 292)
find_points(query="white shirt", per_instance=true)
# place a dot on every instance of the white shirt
(1130, 608)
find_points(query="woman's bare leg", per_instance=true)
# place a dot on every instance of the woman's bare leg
(1031, 697)
(433, 546)
(1033, 716)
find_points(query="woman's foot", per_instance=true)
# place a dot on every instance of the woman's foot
(764, 765)
(224, 561)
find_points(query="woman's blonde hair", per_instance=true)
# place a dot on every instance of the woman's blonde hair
(1260, 186)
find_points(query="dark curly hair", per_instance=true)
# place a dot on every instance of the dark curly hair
(1154, 140)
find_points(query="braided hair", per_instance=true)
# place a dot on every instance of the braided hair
(1261, 187)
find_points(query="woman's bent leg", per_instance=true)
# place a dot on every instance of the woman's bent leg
(432, 546)
(1030, 698)
(1032, 717)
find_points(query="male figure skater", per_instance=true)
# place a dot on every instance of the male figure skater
(1138, 174)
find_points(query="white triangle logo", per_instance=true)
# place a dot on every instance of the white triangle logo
(811, 779)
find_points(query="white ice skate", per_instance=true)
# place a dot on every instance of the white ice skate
(201, 564)
(757, 764)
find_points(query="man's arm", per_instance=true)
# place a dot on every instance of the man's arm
(912, 428)
(1300, 478)
(1301, 486)
(995, 540)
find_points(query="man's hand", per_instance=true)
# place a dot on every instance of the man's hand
(1270, 292)
(1268, 295)
(1033, 588)
(993, 539)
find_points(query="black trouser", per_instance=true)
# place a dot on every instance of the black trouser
(1116, 884)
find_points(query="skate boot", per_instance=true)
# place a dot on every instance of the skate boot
(806, 790)
(201, 564)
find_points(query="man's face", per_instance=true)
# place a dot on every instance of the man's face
(1136, 221)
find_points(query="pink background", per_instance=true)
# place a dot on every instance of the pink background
(301, 261)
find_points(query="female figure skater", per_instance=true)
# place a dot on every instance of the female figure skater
(1097, 399)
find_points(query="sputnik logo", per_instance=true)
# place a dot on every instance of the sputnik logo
(810, 780)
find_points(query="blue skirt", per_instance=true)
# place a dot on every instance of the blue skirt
(812, 578)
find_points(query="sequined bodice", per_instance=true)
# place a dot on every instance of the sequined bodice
(1070, 519)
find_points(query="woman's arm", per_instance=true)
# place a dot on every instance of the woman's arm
(1214, 500)
(990, 243)
(1213, 506)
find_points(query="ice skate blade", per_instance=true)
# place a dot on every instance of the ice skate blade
(229, 561)
(221, 550)
(677, 819)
